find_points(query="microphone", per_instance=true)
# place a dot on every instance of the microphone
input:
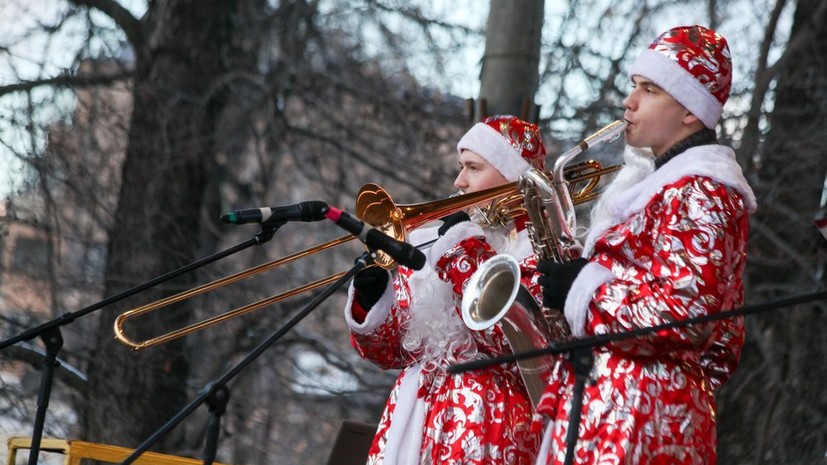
(405, 254)
(313, 210)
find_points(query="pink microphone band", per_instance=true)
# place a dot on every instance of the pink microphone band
(334, 214)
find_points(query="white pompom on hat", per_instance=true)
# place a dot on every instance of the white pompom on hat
(508, 143)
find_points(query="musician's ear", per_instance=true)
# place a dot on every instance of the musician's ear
(691, 120)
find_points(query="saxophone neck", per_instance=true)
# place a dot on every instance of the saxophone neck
(607, 133)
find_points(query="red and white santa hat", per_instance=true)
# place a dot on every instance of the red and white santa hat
(508, 143)
(692, 64)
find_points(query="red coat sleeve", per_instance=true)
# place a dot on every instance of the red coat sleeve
(682, 257)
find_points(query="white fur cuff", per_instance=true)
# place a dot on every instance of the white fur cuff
(581, 293)
(377, 314)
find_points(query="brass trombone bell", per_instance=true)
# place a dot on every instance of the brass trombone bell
(590, 172)
(373, 206)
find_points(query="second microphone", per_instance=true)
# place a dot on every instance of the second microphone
(403, 253)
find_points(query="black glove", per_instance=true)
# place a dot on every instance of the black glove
(369, 284)
(556, 280)
(452, 220)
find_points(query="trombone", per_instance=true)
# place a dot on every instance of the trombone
(375, 207)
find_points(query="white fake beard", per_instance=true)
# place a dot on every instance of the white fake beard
(639, 163)
(434, 328)
(502, 239)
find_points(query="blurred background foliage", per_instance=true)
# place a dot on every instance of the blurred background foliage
(128, 127)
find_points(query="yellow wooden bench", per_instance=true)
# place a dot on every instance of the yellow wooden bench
(75, 451)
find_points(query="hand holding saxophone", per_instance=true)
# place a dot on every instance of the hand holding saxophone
(556, 279)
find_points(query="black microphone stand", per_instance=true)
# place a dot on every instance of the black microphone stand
(216, 393)
(582, 361)
(581, 353)
(49, 332)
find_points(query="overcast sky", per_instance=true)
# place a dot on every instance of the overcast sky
(37, 56)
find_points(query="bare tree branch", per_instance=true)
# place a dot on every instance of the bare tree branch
(73, 81)
(130, 25)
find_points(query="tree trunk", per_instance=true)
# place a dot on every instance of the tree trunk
(170, 158)
(783, 421)
(509, 77)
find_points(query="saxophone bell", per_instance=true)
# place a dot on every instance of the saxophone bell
(497, 296)
(494, 293)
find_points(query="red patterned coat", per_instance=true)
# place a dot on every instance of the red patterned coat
(673, 248)
(473, 418)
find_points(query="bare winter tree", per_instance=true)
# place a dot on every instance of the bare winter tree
(281, 106)
(510, 74)
(175, 112)
(170, 158)
(783, 422)
(242, 104)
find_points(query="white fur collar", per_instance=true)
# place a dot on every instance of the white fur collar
(714, 161)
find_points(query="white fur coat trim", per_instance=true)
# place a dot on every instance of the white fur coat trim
(716, 162)
(591, 277)
(423, 284)
(502, 241)
(376, 314)
(452, 237)
(404, 437)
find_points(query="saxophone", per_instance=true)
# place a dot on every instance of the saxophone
(494, 293)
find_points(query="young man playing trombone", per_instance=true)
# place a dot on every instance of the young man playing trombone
(667, 242)
(410, 320)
